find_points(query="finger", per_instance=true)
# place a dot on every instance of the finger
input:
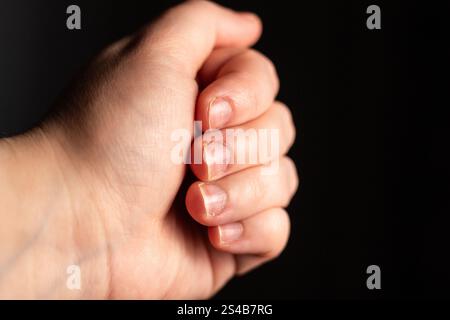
(220, 153)
(187, 34)
(210, 69)
(259, 238)
(245, 87)
(241, 195)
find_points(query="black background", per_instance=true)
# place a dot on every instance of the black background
(371, 108)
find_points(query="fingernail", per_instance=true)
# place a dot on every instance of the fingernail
(219, 113)
(217, 157)
(230, 232)
(214, 199)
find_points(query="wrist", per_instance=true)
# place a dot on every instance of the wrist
(48, 224)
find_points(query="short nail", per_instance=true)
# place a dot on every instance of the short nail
(214, 199)
(230, 232)
(217, 157)
(219, 113)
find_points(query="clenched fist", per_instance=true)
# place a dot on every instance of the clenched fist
(96, 184)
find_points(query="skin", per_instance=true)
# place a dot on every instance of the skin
(95, 186)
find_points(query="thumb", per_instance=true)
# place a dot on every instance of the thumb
(187, 34)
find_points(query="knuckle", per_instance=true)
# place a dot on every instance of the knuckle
(293, 177)
(272, 70)
(296, 180)
(286, 123)
(269, 65)
(279, 223)
(289, 181)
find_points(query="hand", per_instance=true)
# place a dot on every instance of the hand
(96, 184)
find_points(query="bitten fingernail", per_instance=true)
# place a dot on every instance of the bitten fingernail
(217, 157)
(214, 199)
(219, 113)
(230, 232)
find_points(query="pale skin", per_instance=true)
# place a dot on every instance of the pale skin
(95, 186)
